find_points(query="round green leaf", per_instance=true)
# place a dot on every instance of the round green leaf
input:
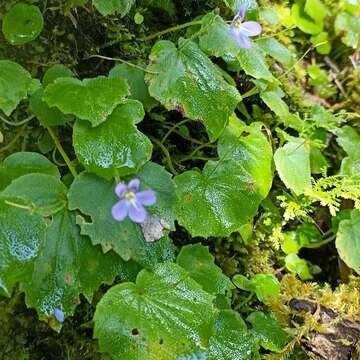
(135, 78)
(266, 328)
(67, 266)
(231, 340)
(22, 24)
(227, 193)
(116, 147)
(348, 241)
(110, 7)
(164, 315)
(222, 196)
(94, 197)
(298, 266)
(184, 79)
(251, 150)
(22, 233)
(15, 84)
(45, 192)
(95, 98)
(25, 162)
(303, 21)
(199, 263)
(293, 165)
(46, 115)
(55, 72)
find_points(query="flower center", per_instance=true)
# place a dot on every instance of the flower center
(129, 195)
(237, 22)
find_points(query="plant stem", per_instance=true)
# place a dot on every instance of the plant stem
(173, 128)
(321, 243)
(191, 156)
(251, 92)
(19, 123)
(123, 62)
(62, 151)
(166, 153)
(174, 28)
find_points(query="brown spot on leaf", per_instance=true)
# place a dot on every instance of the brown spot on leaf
(68, 278)
(245, 133)
(188, 198)
(181, 110)
(250, 187)
(135, 332)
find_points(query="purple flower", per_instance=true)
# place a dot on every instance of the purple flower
(59, 315)
(241, 31)
(132, 202)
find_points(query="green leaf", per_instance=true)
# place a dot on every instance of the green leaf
(348, 241)
(21, 163)
(303, 21)
(116, 147)
(135, 78)
(231, 340)
(95, 98)
(293, 165)
(316, 10)
(22, 233)
(266, 328)
(55, 72)
(67, 267)
(22, 24)
(186, 80)
(251, 5)
(109, 7)
(251, 150)
(348, 26)
(323, 49)
(94, 197)
(276, 50)
(226, 194)
(273, 99)
(222, 196)
(15, 85)
(164, 315)
(349, 140)
(45, 192)
(214, 38)
(199, 263)
(253, 63)
(265, 286)
(46, 115)
(298, 266)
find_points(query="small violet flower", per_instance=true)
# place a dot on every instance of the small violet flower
(132, 202)
(241, 31)
(59, 315)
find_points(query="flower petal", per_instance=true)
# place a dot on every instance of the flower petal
(134, 184)
(241, 12)
(137, 212)
(147, 197)
(250, 28)
(242, 40)
(120, 210)
(120, 189)
(59, 315)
